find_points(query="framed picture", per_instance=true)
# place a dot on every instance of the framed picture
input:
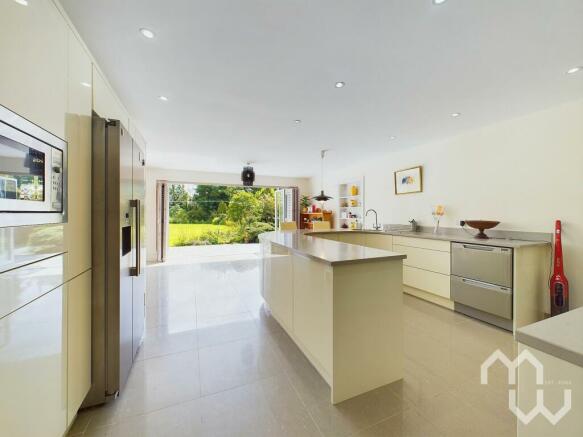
(409, 180)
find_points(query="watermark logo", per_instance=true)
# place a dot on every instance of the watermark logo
(512, 366)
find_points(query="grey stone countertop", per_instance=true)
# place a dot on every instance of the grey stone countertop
(560, 336)
(328, 251)
(445, 236)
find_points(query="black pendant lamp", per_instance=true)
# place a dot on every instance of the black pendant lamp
(322, 197)
(248, 175)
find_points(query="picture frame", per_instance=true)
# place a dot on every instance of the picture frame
(409, 180)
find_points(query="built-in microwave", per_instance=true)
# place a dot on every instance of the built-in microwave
(33, 173)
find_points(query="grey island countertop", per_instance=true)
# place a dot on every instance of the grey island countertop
(560, 336)
(328, 251)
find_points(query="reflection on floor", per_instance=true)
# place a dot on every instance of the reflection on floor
(214, 363)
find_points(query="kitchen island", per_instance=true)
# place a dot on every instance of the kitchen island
(341, 304)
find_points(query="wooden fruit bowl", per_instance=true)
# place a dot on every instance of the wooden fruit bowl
(481, 225)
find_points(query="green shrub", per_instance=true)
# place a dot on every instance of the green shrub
(253, 230)
(217, 237)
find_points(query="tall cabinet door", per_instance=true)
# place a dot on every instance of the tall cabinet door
(33, 364)
(139, 281)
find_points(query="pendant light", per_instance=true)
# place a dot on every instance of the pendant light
(322, 197)
(248, 175)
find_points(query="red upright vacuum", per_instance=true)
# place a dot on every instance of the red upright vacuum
(559, 284)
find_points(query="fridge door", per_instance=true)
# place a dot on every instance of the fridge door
(138, 247)
(119, 299)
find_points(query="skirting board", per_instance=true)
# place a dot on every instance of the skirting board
(438, 300)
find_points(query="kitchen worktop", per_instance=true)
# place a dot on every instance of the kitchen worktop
(327, 251)
(445, 236)
(559, 336)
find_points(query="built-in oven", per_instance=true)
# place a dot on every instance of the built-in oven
(33, 173)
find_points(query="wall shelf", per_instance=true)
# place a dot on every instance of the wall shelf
(351, 203)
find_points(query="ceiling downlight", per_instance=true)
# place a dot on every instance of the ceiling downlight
(147, 33)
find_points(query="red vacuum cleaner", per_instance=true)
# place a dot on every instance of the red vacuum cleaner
(559, 284)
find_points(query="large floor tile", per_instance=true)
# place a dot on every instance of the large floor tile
(164, 340)
(357, 414)
(217, 330)
(236, 363)
(269, 407)
(408, 423)
(160, 382)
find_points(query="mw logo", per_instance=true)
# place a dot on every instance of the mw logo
(512, 367)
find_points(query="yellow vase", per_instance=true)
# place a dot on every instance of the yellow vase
(354, 190)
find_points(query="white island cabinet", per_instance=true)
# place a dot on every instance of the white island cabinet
(341, 304)
(552, 404)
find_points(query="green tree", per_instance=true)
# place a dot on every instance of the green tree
(178, 199)
(221, 217)
(267, 198)
(208, 198)
(243, 210)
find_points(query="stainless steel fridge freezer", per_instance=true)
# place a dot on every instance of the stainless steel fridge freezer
(119, 257)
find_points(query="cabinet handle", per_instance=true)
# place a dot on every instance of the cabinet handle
(484, 248)
(136, 271)
(486, 285)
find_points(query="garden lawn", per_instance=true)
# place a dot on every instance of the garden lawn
(188, 234)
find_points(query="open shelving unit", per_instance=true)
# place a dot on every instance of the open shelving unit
(319, 216)
(351, 203)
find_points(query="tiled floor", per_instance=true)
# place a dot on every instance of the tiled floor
(214, 363)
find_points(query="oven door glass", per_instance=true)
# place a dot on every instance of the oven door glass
(26, 173)
(22, 171)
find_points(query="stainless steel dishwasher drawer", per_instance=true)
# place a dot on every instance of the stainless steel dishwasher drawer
(485, 297)
(489, 264)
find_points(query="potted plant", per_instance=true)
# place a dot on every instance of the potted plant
(305, 203)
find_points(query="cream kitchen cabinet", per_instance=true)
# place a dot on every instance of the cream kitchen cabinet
(78, 342)
(426, 259)
(430, 282)
(281, 292)
(105, 102)
(33, 366)
(312, 313)
(357, 238)
(379, 241)
(78, 136)
(426, 270)
(33, 48)
(423, 243)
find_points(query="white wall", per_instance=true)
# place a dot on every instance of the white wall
(187, 176)
(525, 172)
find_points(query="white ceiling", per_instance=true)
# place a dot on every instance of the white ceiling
(239, 72)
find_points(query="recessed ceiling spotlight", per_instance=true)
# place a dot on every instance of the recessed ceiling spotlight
(391, 138)
(163, 98)
(438, 2)
(147, 33)
(22, 2)
(455, 114)
(339, 84)
(297, 121)
(86, 84)
(574, 70)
